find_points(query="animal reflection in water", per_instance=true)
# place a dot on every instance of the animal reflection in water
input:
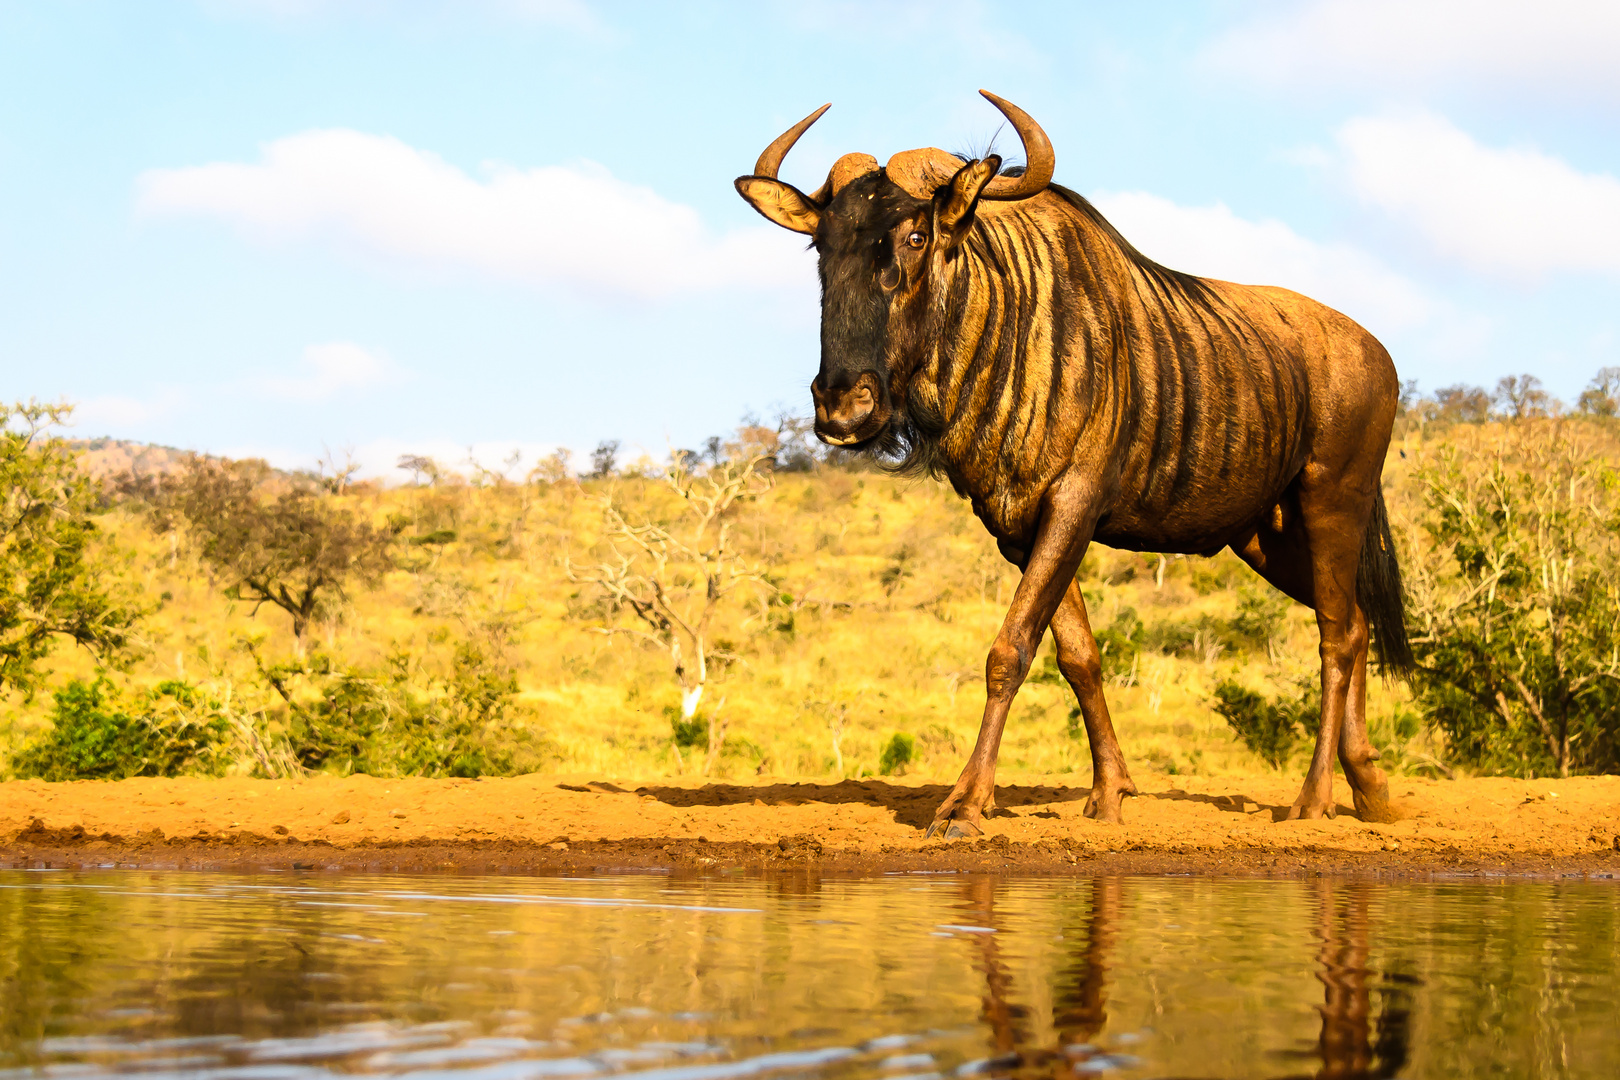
(1354, 1043)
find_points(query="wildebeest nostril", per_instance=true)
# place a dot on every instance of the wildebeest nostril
(844, 415)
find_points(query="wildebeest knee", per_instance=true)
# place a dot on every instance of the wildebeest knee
(1005, 667)
(1081, 666)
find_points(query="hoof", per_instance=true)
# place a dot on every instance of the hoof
(1106, 812)
(1371, 798)
(1311, 811)
(951, 829)
(1376, 808)
(1105, 806)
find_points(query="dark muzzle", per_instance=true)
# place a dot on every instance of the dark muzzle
(852, 415)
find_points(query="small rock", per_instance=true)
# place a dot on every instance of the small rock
(649, 798)
(560, 845)
(340, 818)
(279, 830)
(799, 845)
(759, 802)
(1249, 807)
(396, 813)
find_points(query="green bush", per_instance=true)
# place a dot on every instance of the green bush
(1121, 643)
(1259, 618)
(1270, 727)
(1515, 600)
(171, 731)
(1255, 626)
(897, 753)
(687, 733)
(57, 575)
(393, 721)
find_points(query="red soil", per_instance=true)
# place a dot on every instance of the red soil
(563, 823)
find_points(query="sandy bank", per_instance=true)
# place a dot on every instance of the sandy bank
(562, 823)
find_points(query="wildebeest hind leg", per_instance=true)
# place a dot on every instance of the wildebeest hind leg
(1369, 787)
(1289, 562)
(1334, 517)
(1081, 663)
(1285, 561)
(1060, 543)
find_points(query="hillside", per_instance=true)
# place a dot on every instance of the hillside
(880, 598)
(105, 457)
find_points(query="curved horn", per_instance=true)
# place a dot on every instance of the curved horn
(771, 159)
(1037, 152)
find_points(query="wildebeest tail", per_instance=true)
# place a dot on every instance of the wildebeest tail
(1378, 591)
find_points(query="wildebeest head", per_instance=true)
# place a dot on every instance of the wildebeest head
(883, 235)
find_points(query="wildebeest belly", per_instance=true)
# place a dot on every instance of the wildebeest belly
(1209, 453)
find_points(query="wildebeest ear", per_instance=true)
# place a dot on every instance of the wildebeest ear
(782, 203)
(954, 202)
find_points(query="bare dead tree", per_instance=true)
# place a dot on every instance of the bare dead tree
(334, 475)
(675, 578)
(837, 714)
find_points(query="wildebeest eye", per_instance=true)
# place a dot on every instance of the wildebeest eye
(916, 239)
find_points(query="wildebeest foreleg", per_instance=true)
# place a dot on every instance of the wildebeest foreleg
(1060, 543)
(1081, 663)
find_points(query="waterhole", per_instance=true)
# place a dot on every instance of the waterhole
(911, 976)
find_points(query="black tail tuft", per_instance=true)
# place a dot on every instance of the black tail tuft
(1378, 591)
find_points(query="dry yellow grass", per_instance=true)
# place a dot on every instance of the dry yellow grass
(919, 592)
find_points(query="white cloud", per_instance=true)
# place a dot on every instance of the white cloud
(1561, 45)
(113, 412)
(325, 370)
(1211, 241)
(1513, 212)
(575, 225)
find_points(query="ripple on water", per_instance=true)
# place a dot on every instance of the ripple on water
(670, 978)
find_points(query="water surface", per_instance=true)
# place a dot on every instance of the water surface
(286, 977)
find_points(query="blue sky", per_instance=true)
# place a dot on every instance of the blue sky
(282, 227)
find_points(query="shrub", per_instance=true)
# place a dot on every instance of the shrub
(1270, 727)
(1255, 627)
(392, 722)
(1516, 598)
(1121, 643)
(170, 732)
(897, 753)
(55, 579)
(1259, 618)
(687, 733)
